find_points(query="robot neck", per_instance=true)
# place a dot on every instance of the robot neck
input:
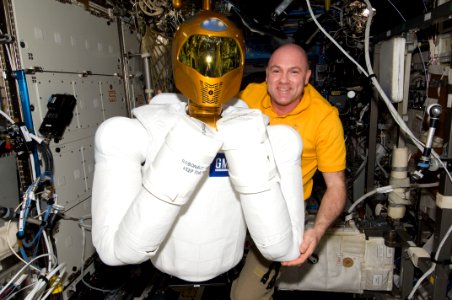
(208, 115)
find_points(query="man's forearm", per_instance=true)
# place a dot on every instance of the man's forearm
(332, 203)
(331, 207)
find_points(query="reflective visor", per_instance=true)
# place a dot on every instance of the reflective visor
(210, 55)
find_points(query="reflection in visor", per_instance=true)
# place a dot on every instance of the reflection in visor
(210, 56)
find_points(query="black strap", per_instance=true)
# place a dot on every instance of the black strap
(272, 281)
(273, 266)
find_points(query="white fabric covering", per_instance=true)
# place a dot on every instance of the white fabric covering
(201, 234)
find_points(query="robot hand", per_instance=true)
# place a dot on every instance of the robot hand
(179, 165)
(247, 150)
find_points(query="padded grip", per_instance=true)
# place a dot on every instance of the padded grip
(182, 160)
(247, 150)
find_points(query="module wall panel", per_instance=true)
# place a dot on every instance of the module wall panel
(98, 98)
(64, 37)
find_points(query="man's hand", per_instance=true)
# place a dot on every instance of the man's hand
(311, 239)
(331, 207)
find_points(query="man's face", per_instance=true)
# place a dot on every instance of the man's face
(287, 75)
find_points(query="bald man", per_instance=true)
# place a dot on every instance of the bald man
(287, 98)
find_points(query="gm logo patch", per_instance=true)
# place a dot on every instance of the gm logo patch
(219, 166)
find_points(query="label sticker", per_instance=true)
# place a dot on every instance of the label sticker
(347, 262)
(219, 166)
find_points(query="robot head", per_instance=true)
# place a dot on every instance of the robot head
(208, 58)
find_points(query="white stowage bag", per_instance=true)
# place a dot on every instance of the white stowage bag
(348, 262)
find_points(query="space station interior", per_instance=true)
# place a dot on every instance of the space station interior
(69, 65)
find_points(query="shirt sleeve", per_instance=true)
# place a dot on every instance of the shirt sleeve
(331, 144)
(253, 94)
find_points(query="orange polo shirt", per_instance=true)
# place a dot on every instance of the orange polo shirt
(318, 124)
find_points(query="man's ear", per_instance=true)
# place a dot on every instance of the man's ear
(308, 75)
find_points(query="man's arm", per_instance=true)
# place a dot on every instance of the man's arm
(331, 207)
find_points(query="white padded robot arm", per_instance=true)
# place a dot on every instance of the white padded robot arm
(120, 149)
(135, 206)
(287, 147)
(269, 184)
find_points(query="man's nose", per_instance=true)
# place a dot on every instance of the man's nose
(284, 77)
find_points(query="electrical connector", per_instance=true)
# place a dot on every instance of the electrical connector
(416, 253)
(20, 138)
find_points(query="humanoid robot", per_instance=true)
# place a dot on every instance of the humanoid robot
(181, 181)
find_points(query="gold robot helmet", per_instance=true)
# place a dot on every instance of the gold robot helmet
(208, 55)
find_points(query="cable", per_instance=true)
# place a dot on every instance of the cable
(28, 264)
(11, 246)
(400, 14)
(41, 283)
(149, 8)
(398, 119)
(26, 203)
(245, 22)
(55, 283)
(43, 232)
(387, 189)
(8, 53)
(19, 291)
(424, 185)
(6, 116)
(384, 189)
(83, 226)
(10, 120)
(10, 291)
(36, 138)
(43, 217)
(33, 294)
(432, 268)
(333, 40)
(421, 56)
(28, 196)
(47, 157)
